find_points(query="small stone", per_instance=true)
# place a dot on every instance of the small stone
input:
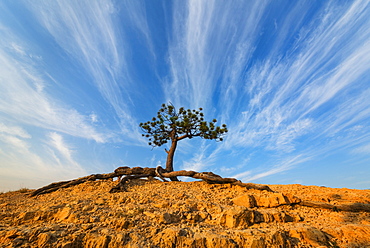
(87, 226)
(168, 218)
(26, 216)
(100, 201)
(12, 234)
(63, 214)
(18, 242)
(258, 243)
(94, 219)
(87, 208)
(45, 239)
(105, 231)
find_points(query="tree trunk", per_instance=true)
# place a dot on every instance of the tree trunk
(170, 155)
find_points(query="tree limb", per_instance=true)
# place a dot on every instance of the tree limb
(182, 137)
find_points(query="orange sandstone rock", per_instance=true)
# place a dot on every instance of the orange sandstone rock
(178, 214)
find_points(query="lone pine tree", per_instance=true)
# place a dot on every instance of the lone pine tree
(170, 125)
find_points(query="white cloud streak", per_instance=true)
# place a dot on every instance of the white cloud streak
(365, 149)
(21, 99)
(88, 32)
(20, 164)
(56, 141)
(200, 160)
(308, 91)
(203, 37)
(276, 106)
(287, 164)
(14, 131)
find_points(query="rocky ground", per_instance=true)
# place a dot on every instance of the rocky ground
(185, 214)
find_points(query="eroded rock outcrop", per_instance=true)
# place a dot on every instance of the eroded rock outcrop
(178, 214)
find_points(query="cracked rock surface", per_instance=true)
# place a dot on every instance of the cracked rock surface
(183, 214)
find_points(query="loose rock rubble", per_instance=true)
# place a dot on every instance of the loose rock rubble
(183, 214)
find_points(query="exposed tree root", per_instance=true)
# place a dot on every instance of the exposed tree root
(355, 207)
(209, 177)
(66, 184)
(140, 172)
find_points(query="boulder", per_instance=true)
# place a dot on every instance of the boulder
(237, 217)
(309, 235)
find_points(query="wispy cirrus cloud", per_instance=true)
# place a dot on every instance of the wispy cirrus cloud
(203, 39)
(284, 165)
(201, 158)
(335, 59)
(364, 149)
(285, 92)
(57, 142)
(24, 162)
(22, 99)
(89, 33)
(14, 131)
(291, 92)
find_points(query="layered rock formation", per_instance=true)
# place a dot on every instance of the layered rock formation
(186, 214)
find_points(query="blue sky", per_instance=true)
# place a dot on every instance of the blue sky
(291, 79)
